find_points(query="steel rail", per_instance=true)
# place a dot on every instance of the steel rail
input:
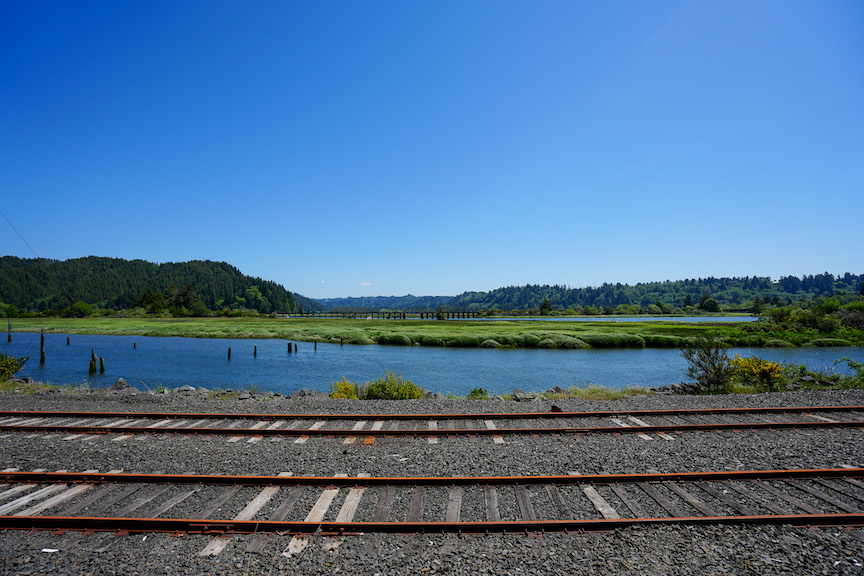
(441, 432)
(455, 416)
(354, 481)
(227, 527)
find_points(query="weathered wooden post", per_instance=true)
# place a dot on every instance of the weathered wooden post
(289, 347)
(92, 369)
(255, 351)
(101, 365)
(67, 340)
(42, 346)
(134, 345)
(340, 341)
(295, 347)
(316, 345)
(229, 353)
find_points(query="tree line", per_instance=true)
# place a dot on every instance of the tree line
(743, 294)
(183, 288)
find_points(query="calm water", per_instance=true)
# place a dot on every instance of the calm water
(173, 362)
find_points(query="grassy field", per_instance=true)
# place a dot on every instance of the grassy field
(462, 333)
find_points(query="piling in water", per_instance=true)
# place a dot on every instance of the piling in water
(42, 346)
(255, 351)
(101, 365)
(93, 362)
(229, 353)
(67, 340)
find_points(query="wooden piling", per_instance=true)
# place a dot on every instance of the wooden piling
(289, 347)
(42, 346)
(101, 365)
(67, 340)
(295, 347)
(229, 353)
(255, 351)
(134, 345)
(316, 345)
(93, 362)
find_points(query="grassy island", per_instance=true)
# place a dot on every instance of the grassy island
(460, 333)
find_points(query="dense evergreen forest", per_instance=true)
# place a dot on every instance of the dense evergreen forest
(748, 294)
(183, 288)
(80, 286)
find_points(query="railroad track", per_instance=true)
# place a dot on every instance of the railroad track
(254, 427)
(122, 503)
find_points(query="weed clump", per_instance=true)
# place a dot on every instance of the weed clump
(9, 365)
(389, 387)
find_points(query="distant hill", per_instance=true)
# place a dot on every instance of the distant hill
(41, 284)
(737, 293)
(408, 302)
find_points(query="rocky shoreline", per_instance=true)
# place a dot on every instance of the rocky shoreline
(648, 550)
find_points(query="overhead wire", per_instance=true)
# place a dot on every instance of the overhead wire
(69, 296)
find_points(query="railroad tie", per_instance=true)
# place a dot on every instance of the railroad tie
(491, 426)
(357, 426)
(623, 424)
(319, 510)
(219, 543)
(315, 426)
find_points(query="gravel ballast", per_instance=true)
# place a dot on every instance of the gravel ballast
(648, 550)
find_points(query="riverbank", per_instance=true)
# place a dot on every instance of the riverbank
(453, 334)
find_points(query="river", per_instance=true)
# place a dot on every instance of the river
(151, 362)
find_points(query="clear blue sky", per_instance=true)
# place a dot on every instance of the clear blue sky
(392, 147)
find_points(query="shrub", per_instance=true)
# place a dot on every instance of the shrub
(431, 341)
(826, 342)
(658, 341)
(490, 344)
(709, 365)
(756, 370)
(344, 389)
(613, 340)
(9, 365)
(392, 387)
(394, 339)
(530, 341)
(466, 342)
(478, 394)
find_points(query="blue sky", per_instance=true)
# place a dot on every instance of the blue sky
(391, 147)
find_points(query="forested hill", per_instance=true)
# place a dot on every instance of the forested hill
(40, 284)
(409, 302)
(727, 292)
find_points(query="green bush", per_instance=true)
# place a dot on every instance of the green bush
(613, 340)
(490, 344)
(826, 342)
(658, 341)
(478, 394)
(9, 365)
(392, 387)
(431, 341)
(466, 342)
(775, 343)
(394, 340)
(709, 365)
(530, 341)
